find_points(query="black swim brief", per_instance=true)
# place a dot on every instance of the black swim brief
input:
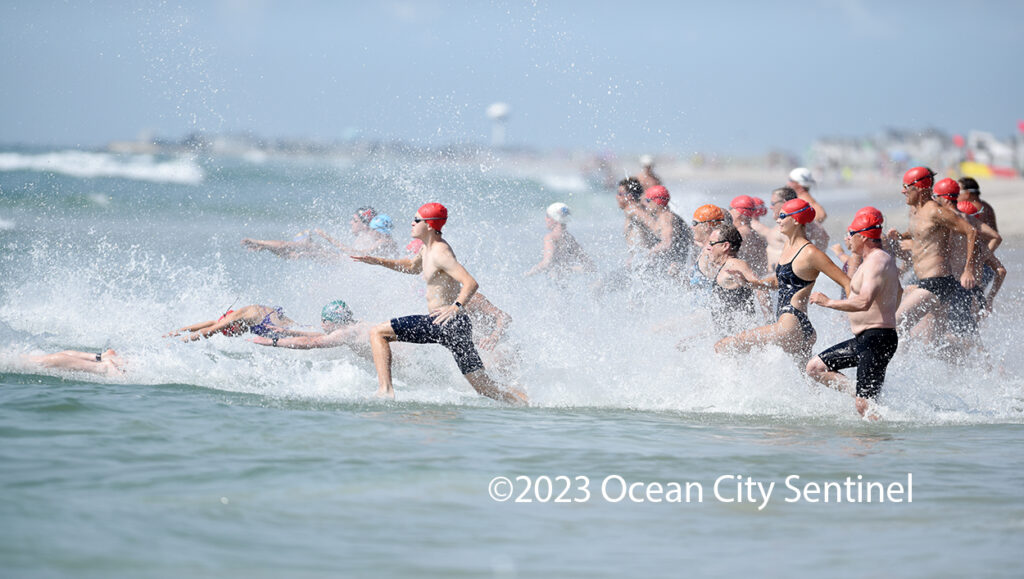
(456, 335)
(870, 351)
(941, 287)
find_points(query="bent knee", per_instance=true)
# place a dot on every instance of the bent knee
(383, 331)
(816, 367)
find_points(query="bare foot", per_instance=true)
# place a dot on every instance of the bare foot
(388, 394)
(115, 363)
(864, 407)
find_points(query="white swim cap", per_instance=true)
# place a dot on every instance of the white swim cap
(646, 161)
(802, 176)
(558, 212)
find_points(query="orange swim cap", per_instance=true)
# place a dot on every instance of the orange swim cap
(708, 213)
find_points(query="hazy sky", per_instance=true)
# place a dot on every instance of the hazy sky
(726, 76)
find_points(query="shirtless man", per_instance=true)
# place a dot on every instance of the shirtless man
(871, 305)
(671, 252)
(753, 250)
(562, 253)
(449, 286)
(967, 304)
(930, 227)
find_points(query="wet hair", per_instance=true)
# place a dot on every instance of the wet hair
(786, 193)
(365, 214)
(732, 235)
(634, 190)
(969, 184)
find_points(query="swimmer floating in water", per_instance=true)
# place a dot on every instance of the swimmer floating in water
(340, 328)
(108, 363)
(255, 319)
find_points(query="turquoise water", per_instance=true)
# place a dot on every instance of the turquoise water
(224, 459)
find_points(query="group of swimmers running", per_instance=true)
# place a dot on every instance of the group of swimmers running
(726, 257)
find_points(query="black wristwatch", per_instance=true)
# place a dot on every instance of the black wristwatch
(458, 305)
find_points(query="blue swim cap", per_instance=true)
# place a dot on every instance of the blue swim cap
(382, 223)
(336, 312)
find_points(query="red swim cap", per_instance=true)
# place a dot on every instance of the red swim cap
(920, 177)
(759, 208)
(966, 207)
(745, 205)
(232, 330)
(947, 188)
(658, 194)
(870, 211)
(867, 224)
(435, 215)
(800, 210)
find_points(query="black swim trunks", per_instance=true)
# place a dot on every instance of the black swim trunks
(942, 287)
(870, 351)
(456, 335)
(963, 311)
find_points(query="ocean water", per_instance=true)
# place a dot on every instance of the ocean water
(223, 458)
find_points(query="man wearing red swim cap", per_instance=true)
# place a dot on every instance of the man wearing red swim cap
(966, 304)
(449, 288)
(931, 226)
(871, 304)
(753, 251)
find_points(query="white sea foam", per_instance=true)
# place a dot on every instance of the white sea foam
(89, 164)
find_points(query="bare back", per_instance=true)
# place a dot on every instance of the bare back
(931, 242)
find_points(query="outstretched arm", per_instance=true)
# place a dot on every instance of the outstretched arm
(749, 278)
(412, 266)
(828, 267)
